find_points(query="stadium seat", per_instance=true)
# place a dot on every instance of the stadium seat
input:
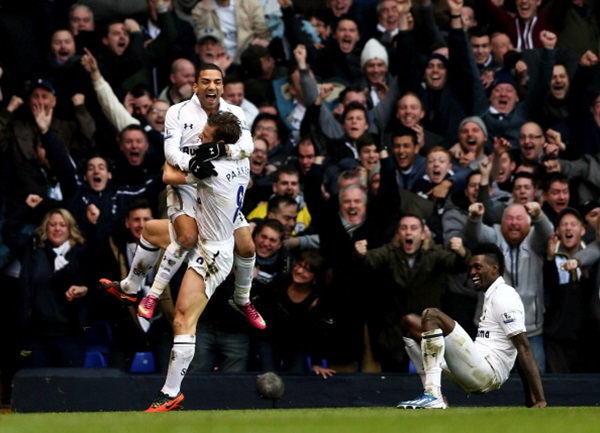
(94, 359)
(143, 362)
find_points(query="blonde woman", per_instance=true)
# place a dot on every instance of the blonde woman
(53, 290)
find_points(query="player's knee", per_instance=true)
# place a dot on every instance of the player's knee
(430, 313)
(186, 240)
(410, 323)
(245, 249)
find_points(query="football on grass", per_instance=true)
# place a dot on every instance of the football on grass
(270, 386)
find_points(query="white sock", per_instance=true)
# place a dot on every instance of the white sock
(414, 353)
(432, 350)
(171, 261)
(144, 259)
(243, 269)
(182, 354)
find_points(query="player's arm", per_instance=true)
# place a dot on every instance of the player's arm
(532, 381)
(173, 175)
(173, 154)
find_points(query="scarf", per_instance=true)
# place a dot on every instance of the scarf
(60, 251)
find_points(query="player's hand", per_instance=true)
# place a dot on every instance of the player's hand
(202, 170)
(209, 151)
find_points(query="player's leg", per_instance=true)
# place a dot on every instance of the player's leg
(144, 259)
(196, 289)
(191, 301)
(434, 325)
(181, 204)
(243, 265)
(466, 365)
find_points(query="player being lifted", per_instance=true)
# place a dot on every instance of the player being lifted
(183, 124)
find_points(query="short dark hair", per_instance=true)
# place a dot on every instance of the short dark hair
(272, 224)
(479, 32)
(492, 254)
(526, 175)
(275, 202)
(403, 131)
(550, 178)
(316, 263)
(232, 79)
(227, 126)
(142, 89)
(354, 105)
(365, 139)
(411, 215)
(132, 127)
(140, 203)
(209, 67)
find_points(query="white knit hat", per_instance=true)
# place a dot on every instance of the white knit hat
(373, 50)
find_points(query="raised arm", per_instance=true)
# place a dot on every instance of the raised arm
(115, 112)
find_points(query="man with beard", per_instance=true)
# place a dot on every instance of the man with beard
(522, 236)
(436, 343)
(409, 267)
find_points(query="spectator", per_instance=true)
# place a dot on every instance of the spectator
(555, 196)
(19, 133)
(261, 183)
(526, 27)
(233, 92)
(182, 79)
(341, 56)
(504, 113)
(241, 25)
(182, 45)
(410, 263)
(292, 311)
(567, 295)
(271, 128)
(54, 289)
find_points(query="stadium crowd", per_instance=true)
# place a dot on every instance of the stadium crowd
(390, 138)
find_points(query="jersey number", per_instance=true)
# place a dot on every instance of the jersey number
(240, 202)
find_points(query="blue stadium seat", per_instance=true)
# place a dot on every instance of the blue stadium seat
(143, 362)
(94, 359)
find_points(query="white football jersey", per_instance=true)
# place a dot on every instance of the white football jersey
(220, 199)
(185, 121)
(503, 317)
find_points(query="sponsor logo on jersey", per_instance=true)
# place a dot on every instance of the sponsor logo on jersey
(483, 334)
(507, 318)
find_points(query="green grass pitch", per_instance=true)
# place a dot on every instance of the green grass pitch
(347, 420)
